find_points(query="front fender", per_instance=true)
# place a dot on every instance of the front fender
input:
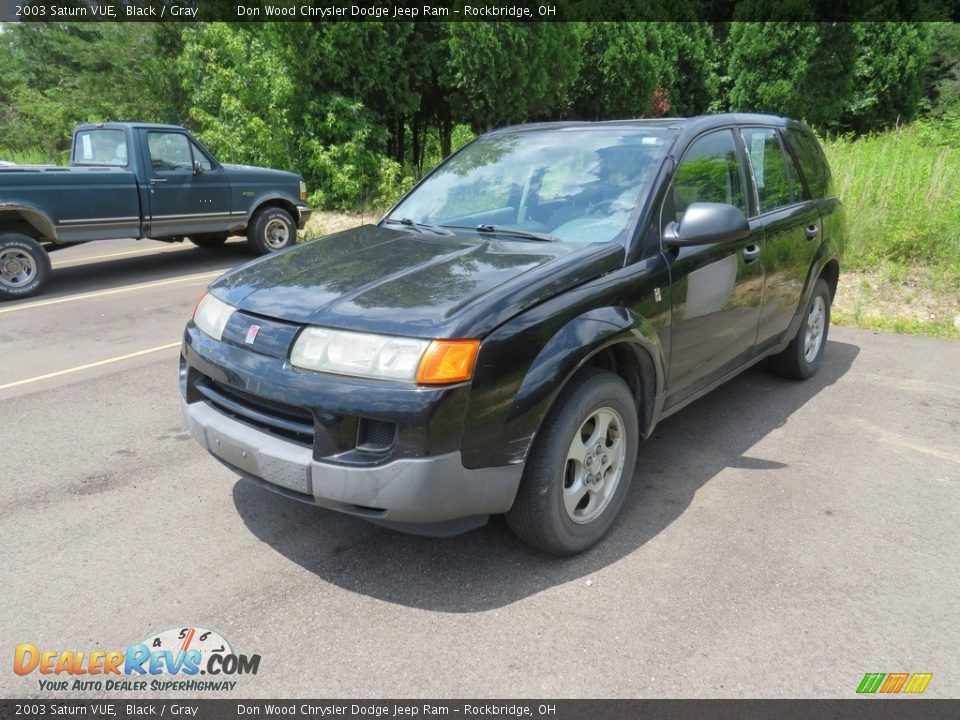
(569, 349)
(274, 198)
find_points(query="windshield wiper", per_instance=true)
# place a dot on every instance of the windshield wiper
(419, 227)
(499, 230)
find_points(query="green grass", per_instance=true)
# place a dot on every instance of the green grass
(35, 157)
(907, 326)
(901, 192)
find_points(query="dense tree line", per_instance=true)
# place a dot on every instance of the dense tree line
(360, 108)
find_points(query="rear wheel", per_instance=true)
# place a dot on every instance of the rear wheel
(804, 354)
(210, 240)
(580, 466)
(24, 266)
(271, 229)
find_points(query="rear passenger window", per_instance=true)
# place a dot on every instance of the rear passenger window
(812, 161)
(776, 178)
(709, 172)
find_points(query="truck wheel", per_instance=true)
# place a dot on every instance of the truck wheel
(209, 241)
(580, 466)
(24, 266)
(803, 355)
(271, 229)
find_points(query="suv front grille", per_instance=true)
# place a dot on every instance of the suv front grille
(287, 421)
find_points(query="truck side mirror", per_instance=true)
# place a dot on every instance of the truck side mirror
(197, 168)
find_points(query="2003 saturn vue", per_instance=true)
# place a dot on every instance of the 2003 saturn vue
(503, 339)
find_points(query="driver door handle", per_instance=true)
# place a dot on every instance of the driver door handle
(157, 180)
(751, 253)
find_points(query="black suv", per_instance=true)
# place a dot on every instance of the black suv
(503, 339)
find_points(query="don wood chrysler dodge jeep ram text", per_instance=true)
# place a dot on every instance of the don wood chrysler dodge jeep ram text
(137, 180)
(503, 339)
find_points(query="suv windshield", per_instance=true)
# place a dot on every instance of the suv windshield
(572, 185)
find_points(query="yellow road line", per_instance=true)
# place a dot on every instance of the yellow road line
(143, 251)
(78, 368)
(114, 291)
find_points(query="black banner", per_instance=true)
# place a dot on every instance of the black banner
(854, 709)
(478, 11)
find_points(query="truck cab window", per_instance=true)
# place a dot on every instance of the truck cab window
(201, 157)
(169, 152)
(100, 147)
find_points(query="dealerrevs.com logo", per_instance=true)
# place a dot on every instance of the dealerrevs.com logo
(169, 660)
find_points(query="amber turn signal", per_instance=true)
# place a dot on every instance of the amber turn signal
(193, 314)
(448, 361)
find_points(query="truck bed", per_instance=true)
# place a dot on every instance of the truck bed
(83, 203)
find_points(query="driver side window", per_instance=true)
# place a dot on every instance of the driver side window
(169, 151)
(200, 157)
(709, 172)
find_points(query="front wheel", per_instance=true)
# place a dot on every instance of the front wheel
(24, 266)
(580, 466)
(271, 229)
(804, 354)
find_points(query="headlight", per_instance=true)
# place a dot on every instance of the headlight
(211, 315)
(303, 190)
(385, 357)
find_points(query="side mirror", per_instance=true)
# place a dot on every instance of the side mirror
(197, 168)
(704, 223)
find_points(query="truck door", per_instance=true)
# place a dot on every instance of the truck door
(185, 199)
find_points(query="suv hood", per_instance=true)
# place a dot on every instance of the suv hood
(378, 279)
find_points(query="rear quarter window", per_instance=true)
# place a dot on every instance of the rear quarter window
(100, 147)
(812, 161)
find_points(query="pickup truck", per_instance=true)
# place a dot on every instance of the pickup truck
(138, 180)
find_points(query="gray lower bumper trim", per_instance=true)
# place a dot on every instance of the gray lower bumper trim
(304, 214)
(419, 491)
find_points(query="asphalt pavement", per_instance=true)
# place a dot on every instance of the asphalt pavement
(780, 539)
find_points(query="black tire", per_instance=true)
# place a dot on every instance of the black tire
(794, 362)
(24, 266)
(539, 515)
(271, 230)
(209, 241)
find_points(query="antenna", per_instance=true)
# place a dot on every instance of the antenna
(356, 124)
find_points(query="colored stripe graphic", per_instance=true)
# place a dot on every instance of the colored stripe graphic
(918, 682)
(894, 682)
(870, 682)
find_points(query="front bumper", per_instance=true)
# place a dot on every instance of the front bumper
(411, 494)
(303, 213)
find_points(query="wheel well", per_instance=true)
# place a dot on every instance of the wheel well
(634, 365)
(12, 222)
(277, 203)
(831, 273)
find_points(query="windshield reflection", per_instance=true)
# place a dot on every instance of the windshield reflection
(571, 185)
